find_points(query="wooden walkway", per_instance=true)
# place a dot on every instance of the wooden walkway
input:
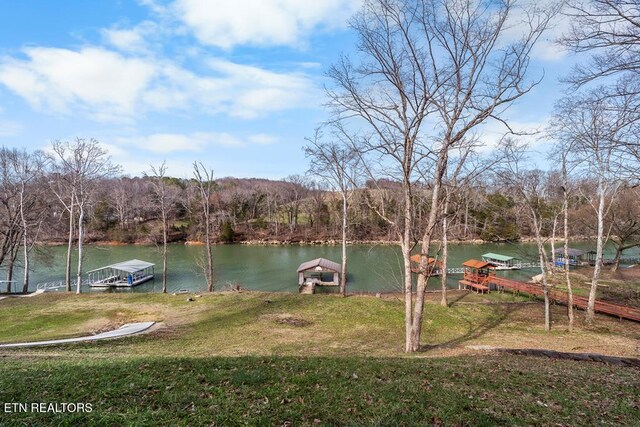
(618, 310)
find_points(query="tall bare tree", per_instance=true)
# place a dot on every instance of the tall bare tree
(11, 230)
(596, 126)
(566, 191)
(529, 186)
(420, 58)
(206, 186)
(162, 198)
(337, 164)
(81, 164)
(30, 169)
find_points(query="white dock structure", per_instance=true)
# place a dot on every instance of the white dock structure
(502, 262)
(123, 274)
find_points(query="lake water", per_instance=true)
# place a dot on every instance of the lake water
(371, 268)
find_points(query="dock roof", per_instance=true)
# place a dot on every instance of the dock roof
(570, 251)
(417, 258)
(130, 266)
(320, 262)
(474, 263)
(498, 257)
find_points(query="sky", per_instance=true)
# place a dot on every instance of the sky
(236, 85)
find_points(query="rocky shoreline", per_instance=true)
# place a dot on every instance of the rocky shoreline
(318, 242)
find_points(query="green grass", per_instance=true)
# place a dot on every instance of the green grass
(266, 324)
(286, 359)
(239, 324)
(504, 390)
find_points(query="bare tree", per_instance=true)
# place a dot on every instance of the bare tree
(610, 31)
(529, 187)
(81, 164)
(161, 196)
(206, 185)
(596, 127)
(10, 225)
(337, 164)
(421, 58)
(565, 151)
(294, 193)
(29, 168)
(624, 220)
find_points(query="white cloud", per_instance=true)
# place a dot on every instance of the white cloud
(10, 128)
(199, 141)
(94, 79)
(108, 86)
(262, 139)
(130, 40)
(227, 23)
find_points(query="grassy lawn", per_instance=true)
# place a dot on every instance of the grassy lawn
(287, 359)
(267, 324)
(484, 390)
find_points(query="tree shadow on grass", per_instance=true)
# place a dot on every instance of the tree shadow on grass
(459, 297)
(476, 330)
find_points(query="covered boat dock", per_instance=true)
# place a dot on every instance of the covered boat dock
(502, 262)
(123, 274)
(315, 273)
(576, 257)
(477, 275)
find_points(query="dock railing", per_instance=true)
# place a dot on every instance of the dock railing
(59, 284)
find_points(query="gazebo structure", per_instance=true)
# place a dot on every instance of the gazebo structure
(434, 267)
(318, 272)
(477, 275)
(575, 257)
(123, 274)
(502, 262)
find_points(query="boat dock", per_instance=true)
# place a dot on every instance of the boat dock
(123, 274)
(481, 276)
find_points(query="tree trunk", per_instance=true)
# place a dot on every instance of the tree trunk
(598, 263)
(343, 275)
(408, 295)
(566, 257)
(164, 250)
(445, 253)
(25, 242)
(553, 242)
(543, 271)
(426, 242)
(616, 260)
(80, 237)
(408, 283)
(25, 281)
(209, 254)
(9, 269)
(67, 279)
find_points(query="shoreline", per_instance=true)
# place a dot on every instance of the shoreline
(319, 242)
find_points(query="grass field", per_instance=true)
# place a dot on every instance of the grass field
(276, 391)
(286, 359)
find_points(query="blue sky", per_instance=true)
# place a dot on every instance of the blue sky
(237, 85)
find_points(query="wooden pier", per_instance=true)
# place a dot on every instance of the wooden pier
(618, 310)
(481, 276)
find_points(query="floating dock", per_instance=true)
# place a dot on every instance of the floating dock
(125, 274)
